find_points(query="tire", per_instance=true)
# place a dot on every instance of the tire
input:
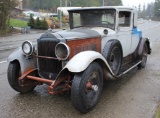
(144, 57)
(85, 98)
(112, 52)
(13, 74)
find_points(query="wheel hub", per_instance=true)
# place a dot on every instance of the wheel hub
(95, 88)
(90, 86)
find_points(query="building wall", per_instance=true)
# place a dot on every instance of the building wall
(15, 12)
(20, 5)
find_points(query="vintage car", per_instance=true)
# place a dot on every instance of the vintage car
(102, 43)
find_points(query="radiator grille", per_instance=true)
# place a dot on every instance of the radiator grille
(46, 47)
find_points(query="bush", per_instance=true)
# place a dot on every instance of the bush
(65, 19)
(38, 24)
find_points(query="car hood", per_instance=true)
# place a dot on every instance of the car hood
(100, 30)
(84, 32)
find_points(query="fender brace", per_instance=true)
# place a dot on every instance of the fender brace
(56, 87)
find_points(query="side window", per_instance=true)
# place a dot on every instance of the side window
(76, 19)
(124, 19)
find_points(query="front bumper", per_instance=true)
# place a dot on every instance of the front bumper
(63, 83)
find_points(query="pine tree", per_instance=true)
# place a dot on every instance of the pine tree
(44, 25)
(37, 24)
(31, 22)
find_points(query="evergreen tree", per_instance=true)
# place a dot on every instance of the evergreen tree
(31, 22)
(26, 4)
(139, 9)
(147, 12)
(144, 7)
(44, 25)
(112, 2)
(53, 4)
(157, 8)
(143, 13)
(150, 10)
(37, 24)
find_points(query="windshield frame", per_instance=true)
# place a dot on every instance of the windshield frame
(85, 13)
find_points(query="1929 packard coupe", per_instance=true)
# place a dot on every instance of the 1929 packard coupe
(102, 43)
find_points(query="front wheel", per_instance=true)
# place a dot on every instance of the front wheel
(13, 74)
(87, 87)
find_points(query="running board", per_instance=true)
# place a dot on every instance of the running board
(129, 69)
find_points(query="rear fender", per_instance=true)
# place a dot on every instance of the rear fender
(25, 63)
(141, 45)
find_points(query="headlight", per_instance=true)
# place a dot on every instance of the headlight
(27, 48)
(62, 51)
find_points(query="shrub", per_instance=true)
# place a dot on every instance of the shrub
(65, 19)
(38, 24)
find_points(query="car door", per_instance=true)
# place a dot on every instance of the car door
(124, 31)
(136, 34)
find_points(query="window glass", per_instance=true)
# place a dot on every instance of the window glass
(124, 19)
(108, 18)
(76, 19)
(94, 18)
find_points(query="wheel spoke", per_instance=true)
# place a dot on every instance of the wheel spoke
(91, 95)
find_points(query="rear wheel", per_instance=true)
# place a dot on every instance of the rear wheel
(14, 72)
(112, 52)
(144, 56)
(87, 87)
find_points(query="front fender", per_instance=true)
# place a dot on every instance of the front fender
(25, 64)
(82, 60)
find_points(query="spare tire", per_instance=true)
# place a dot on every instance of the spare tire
(112, 52)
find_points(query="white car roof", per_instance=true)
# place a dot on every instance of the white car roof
(105, 7)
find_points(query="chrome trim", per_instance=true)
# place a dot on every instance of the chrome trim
(31, 47)
(68, 50)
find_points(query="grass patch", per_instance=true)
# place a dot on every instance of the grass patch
(157, 115)
(18, 23)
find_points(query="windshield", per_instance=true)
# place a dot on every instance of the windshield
(93, 18)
